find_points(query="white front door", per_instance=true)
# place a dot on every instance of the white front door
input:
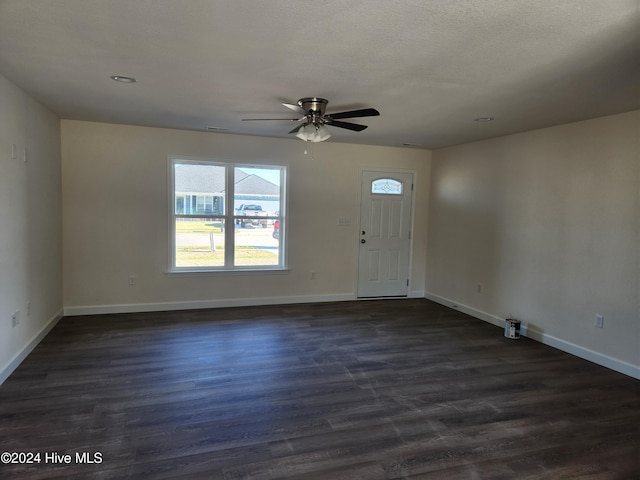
(385, 234)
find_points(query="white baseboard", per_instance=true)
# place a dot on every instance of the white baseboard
(17, 359)
(564, 345)
(200, 304)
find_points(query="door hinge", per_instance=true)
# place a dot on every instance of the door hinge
(407, 282)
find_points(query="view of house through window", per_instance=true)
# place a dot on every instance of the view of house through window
(226, 216)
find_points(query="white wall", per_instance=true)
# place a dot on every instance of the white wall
(547, 222)
(30, 224)
(116, 221)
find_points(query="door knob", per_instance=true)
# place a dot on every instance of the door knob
(363, 232)
(363, 241)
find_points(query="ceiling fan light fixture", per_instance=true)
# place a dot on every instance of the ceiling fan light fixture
(313, 133)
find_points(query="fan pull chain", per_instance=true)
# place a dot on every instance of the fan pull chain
(309, 150)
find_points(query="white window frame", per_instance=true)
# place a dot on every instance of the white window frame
(228, 216)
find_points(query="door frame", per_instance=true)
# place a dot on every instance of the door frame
(385, 171)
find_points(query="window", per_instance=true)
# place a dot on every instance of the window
(386, 186)
(226, 216)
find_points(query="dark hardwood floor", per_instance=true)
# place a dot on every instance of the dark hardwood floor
(386, 389)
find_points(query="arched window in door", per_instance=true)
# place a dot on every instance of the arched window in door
(386, 186)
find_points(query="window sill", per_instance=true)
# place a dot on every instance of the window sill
(215, 273)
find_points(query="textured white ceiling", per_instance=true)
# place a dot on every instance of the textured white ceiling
(429, 66)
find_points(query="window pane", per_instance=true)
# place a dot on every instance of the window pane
(257, 246)
(386, 186)
(256, 195)
(199, 242)
(199, 189)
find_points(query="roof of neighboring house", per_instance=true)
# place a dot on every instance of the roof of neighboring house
(199, 178)
(255, 185)
(210, 179)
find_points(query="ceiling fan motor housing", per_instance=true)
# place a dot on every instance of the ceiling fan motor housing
(315, 107)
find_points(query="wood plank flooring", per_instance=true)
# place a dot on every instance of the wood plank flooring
(385, 389)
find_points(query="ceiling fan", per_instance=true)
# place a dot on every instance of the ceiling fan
(314, 120)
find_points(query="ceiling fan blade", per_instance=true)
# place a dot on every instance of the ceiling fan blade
(349, 126)
(267, 119)
(296, 108)
(297, 128)
(365, 112)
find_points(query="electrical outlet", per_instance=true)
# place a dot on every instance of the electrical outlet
(479, 288)
(15, 318)
(313, 275)
(132, 280)
(599, 322)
